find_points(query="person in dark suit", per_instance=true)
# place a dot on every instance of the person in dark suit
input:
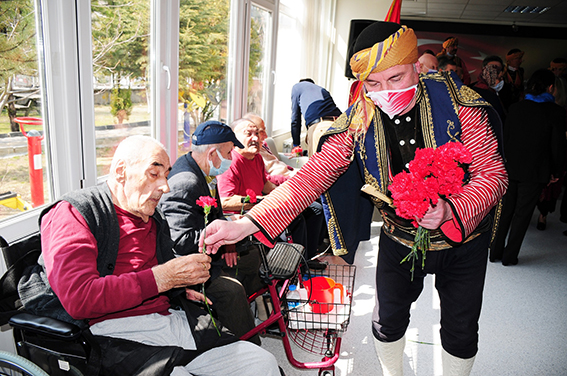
(490, 82)
(534, 147)
(194, 175)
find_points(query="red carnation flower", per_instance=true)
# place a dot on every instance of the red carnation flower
(251, 196)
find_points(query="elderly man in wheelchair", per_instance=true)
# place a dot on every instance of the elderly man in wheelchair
(107, 256)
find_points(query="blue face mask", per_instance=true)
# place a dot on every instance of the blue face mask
(224, 166)
(498, 86)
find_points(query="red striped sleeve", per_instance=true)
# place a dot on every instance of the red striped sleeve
(283, 204)
(488, 178)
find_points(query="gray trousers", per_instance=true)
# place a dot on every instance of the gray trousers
(238, 358)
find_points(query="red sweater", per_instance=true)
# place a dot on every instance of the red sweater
(243, 174)
(70, 253)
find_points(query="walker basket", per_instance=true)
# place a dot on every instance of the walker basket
(314, 326)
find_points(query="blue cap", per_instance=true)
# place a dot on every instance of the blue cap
(214, 132)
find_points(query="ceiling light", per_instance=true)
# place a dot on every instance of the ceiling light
(526, 9)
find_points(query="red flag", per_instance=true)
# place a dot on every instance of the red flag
(394, 11)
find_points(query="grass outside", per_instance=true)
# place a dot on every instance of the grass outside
(14, 177)
(102, 117)
(14, 170)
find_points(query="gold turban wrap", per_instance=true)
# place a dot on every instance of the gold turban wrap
(398, 49)
(514, 55)
(450, 42)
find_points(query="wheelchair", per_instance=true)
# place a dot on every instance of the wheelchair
(58, 348)
(15, 365)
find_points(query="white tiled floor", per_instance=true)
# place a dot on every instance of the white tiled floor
(523, 331)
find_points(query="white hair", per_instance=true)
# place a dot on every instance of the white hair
(202, 149)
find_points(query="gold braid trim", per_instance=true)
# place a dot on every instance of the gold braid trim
(381, 159)
(339, 248)
(424, 103)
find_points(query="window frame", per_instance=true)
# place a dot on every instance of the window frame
(64, 40)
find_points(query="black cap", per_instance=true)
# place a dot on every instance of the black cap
(214, 132)
(374, 33)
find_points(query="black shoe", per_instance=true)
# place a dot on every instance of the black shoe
(494, 258)
(541, 224)
(510, 262)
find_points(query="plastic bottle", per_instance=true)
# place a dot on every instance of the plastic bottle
(292, 297)
(303, 295)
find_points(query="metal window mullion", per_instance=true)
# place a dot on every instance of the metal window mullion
(164, 81)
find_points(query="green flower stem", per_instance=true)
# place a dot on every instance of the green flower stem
(422, 241)
(209, 309)
(203, 285)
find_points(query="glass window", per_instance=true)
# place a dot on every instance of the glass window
(24, 180)
(259, 59)
(203, 59)
(120, 39)
(288, 70)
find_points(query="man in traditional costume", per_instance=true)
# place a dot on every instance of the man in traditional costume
(397, 112)
(514, 78)
(449, 50)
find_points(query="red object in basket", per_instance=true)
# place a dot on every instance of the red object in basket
(322, 291)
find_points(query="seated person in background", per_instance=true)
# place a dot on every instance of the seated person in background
(247, 172)
(117, 225)
(278, 171)
(194, 175)
(428, 63)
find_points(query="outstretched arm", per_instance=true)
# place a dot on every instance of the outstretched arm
(220, 233)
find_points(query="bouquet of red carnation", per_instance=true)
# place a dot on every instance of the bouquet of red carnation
(207, 202)
(297, 151)
(433, 174)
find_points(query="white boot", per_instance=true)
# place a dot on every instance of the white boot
(453, 366)
(391, 355)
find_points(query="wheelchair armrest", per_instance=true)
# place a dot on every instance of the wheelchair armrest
(45, 325)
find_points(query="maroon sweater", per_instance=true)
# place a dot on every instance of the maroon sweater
(70, 253)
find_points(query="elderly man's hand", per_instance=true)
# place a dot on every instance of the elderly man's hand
(182, 271)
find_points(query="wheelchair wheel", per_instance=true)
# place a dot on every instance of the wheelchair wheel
(15, 365)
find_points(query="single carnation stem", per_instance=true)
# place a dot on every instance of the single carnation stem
(209, 309)
(422, 242)
(203, 285)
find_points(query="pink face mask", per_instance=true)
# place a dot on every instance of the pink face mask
(393, 102)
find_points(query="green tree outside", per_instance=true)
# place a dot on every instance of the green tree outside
(18, 54)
